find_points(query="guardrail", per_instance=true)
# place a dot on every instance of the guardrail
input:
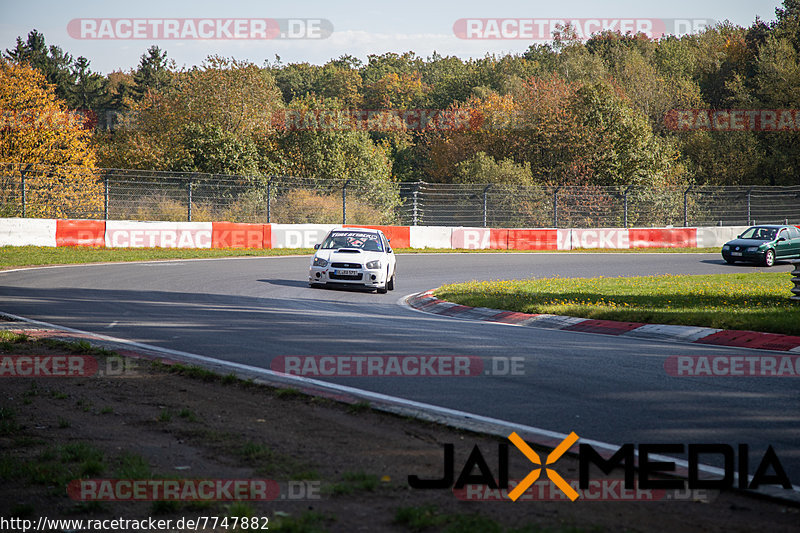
(165, 234)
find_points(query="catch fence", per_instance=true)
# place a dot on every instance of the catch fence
(120, 194)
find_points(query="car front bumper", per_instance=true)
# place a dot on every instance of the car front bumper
(751, 257)
(374, 279)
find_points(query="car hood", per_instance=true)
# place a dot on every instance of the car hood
(344, 256)
(746, 242)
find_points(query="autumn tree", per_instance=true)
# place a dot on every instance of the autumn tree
(40, 137)
(330, 158)
(225, 107)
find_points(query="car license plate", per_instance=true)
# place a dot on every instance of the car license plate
(736, 253)
(347, 272)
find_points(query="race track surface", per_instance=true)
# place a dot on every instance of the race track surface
(605, 388)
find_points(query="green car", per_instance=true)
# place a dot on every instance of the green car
(764, 244)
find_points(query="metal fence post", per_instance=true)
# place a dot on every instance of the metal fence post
(269, 199)
(555, 206)
(796, 280)
(416, 198)
(23, 193)
(189, 194)
(485, 195)
(625, 200)
(686, 206)
(749, 191)
(23, 173)
(105, 202)
(344, 202)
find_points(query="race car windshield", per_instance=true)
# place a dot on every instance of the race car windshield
(369, 242)
(760, 234)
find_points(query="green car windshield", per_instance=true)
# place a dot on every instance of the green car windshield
(760, 234)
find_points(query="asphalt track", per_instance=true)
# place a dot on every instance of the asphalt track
(605, 388)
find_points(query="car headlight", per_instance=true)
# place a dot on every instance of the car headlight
(320, 262)
(374, 265)
(726, 247)
(752, 249)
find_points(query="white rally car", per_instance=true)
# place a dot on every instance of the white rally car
(354, 256)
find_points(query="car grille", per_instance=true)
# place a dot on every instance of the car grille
(345, 265)
(357, 277)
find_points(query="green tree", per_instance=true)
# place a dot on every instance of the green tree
(296, 80)
(155, 72)
(52, 61)
(90, 90)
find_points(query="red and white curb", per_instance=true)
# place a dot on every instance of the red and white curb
(428, 303)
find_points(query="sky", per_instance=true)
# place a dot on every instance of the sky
(318, 31)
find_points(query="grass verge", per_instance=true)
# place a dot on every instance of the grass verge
(15, 256)
(20, 256)
(751, 301)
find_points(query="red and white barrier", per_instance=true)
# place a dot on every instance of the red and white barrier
(430, 237)
(234, 235)
(615, 238)
(80, 232)
(471, 239)
(717, 235)
(299, 235)
(663, 237)
(27, 232)
(399, 236)
(136, 234)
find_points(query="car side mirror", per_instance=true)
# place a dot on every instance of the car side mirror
(780, 239)
(739, 236)
(316, 246)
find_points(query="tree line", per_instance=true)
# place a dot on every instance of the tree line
(568, 112)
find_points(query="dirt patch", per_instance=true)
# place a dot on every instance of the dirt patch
(135, 419)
